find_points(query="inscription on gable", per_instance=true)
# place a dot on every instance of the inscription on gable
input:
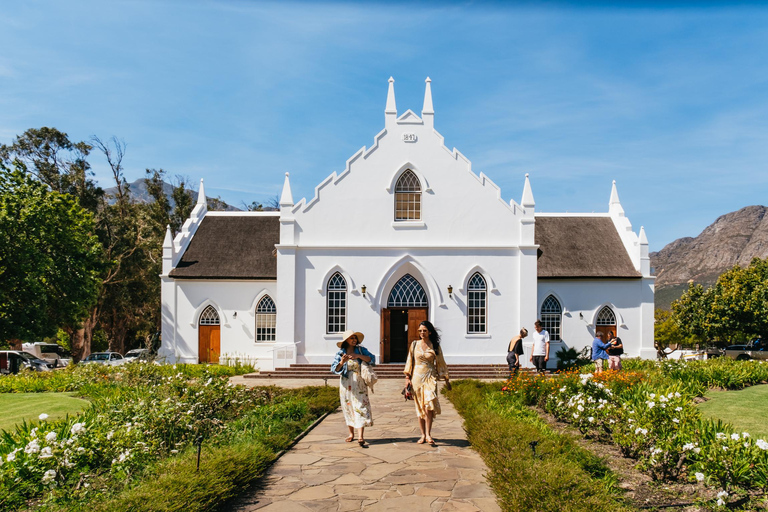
(409, 137)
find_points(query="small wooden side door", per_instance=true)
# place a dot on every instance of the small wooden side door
(384, 343)
(209, 343)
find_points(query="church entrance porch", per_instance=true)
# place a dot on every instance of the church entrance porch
(398, 329)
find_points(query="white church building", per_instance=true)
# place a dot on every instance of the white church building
(406, 232)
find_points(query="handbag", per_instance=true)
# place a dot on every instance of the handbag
(407, 392)
(368, 375)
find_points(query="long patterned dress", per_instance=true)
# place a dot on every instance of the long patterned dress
(426, 368)
(354, 397)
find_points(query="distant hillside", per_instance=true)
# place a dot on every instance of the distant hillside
(733, 239)
(139, 194)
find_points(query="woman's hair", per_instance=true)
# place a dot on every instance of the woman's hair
(434, 337)
(344, 345)
(523, 332)
(611, 335)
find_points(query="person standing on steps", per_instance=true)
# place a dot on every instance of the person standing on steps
(515, 350)
(540, 352)
(424, 367)
(353, 392)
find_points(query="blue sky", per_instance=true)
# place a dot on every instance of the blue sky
(670, 100)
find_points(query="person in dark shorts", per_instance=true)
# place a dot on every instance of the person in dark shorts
(540, 352)
(515, 350)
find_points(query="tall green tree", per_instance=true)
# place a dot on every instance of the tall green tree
(50, 157)
(50, 260)
(183, 203)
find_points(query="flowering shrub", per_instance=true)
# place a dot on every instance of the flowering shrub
(651, 416)
(137, 416)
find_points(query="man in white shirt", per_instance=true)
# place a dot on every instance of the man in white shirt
(540, 353)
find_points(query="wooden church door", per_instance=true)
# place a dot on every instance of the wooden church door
(209, 336)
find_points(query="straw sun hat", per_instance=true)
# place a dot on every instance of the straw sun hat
(347, 334)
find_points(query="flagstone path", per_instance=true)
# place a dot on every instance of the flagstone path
(322, 472)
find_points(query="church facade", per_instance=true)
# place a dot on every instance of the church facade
(406, 232)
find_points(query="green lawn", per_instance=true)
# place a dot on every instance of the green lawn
(28, 406)
(745, 409)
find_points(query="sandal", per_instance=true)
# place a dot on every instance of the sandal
(350, 438)
(431, 442)
(421, 440)
(362, 444)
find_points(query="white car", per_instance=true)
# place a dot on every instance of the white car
(109, 358)
(137, 354)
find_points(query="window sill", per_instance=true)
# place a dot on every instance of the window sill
(409, 224)
(334, 336)
(477, 336)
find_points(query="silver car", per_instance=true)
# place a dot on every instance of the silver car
(108, 358)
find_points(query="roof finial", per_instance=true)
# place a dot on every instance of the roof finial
(168, 241)
(643, 237)
(286, 199)
(201, 199)
(428, 109)
(614, 205)
(391, 108)
(527, 201)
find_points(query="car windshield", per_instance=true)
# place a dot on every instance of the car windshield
(98, 357)
(134, 353)
(28, 357)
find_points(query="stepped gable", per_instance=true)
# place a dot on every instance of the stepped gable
(579, 247)
(733, 239)
(232, 247)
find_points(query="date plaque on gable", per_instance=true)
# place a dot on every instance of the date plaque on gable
(409, 137)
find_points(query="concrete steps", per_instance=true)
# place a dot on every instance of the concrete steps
(383, 371)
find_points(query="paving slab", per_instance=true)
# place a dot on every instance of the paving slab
(394, 473)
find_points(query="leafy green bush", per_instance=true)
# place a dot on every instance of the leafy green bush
(559, 476)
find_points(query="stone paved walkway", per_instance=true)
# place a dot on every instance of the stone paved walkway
(324, 473)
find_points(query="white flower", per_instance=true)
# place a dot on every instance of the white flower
(697, 450)
(46, 453)
(677, 395)
(651, 404)
(721, 496)
(652, 395)
(675, 420)
(80, 449)
(580, 408)
(78, 428)
(663, 406)
(745, 435)
(50, 437)
(688, 446)
(725, 448)
(639, 430)
(33, 432)
(657, 451)
(32, 447)
(11, 456)
(591, 419)
(110, 434)
(562, 389)
(762, 444)
(720, 435)
(700, 477)
(575, 415)
(678, 409)
(735, 437)
(611, 422)
(174, 451)
(49, 476)
(43, 417)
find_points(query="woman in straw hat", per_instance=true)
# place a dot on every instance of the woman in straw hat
(352, 389)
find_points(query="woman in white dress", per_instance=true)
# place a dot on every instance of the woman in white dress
(353, 391)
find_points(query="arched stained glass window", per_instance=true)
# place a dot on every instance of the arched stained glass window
(408, 197)
(551, 317)
(266, 319)
(476, 304)
(209, 316)
(606, 317)
(337, 303)
(407, 293)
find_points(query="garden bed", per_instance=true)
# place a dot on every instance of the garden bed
(135, 447)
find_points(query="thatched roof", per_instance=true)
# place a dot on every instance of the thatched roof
(581, 247)
(231, 247)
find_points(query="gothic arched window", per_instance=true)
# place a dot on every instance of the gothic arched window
(209, 316)
(266, 319)
(606, 322)
(337, 304)
(476, 305)
(408, 197)
(407, 293)
(551, 317)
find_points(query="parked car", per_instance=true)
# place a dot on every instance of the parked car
(50, 352)
(13, 361)
(110, 358)
(137, 354)
(755, 349)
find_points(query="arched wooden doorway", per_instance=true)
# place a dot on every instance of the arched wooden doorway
(209, 336)
(407, 307)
